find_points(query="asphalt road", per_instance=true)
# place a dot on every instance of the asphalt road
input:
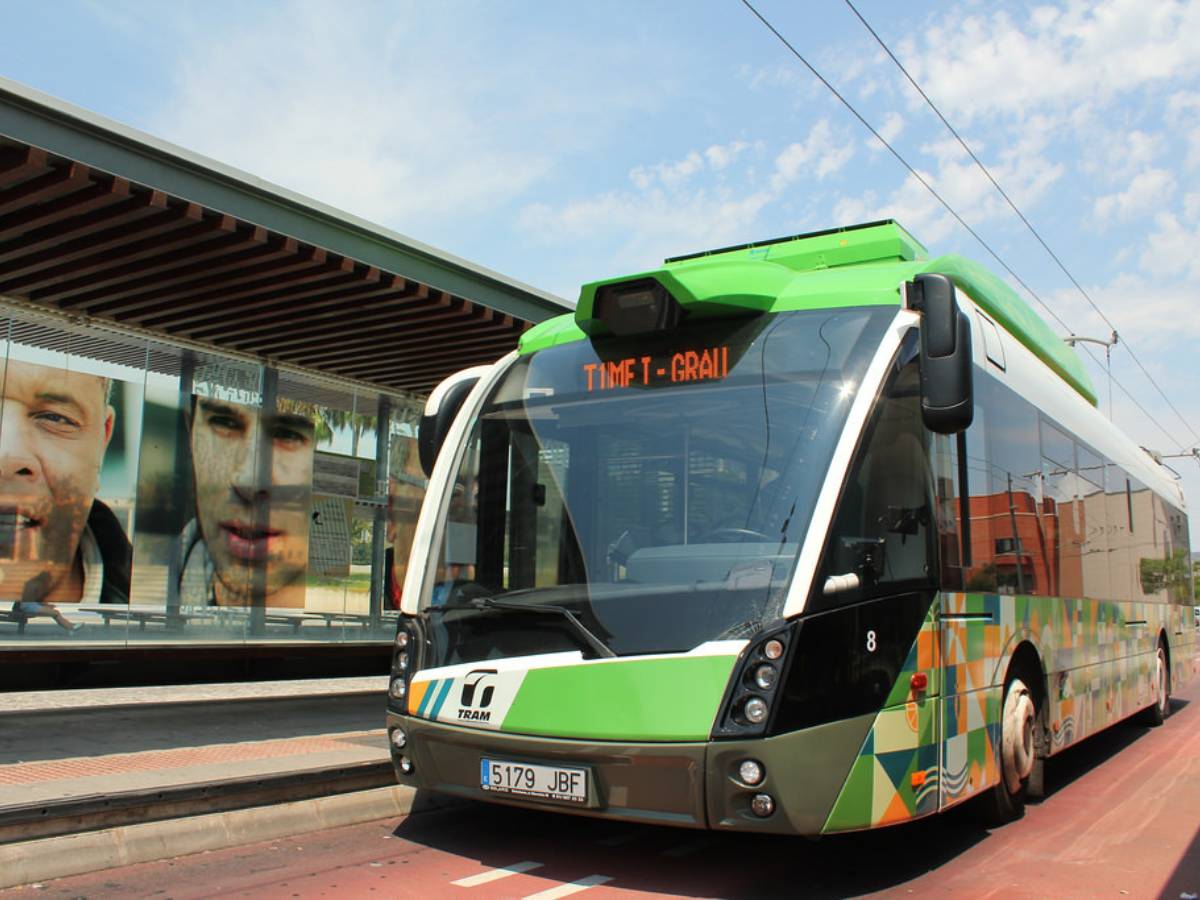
(1121, 820)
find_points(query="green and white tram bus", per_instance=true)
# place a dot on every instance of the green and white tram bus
(805, 536)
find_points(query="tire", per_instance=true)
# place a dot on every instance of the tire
(1005, 802)
(1155, 714)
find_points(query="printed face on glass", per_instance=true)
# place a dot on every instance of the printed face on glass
(253, 475)
(54, 428)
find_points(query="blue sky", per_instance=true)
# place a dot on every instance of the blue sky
(562, 142)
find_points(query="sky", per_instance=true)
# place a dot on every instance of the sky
(559, 143)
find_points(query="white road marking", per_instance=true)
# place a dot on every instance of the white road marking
(565, 890)
(497, 874)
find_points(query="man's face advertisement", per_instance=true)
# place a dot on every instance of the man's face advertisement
(55, 426)
(253, 500)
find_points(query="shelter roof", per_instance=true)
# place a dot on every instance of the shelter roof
(112, 225)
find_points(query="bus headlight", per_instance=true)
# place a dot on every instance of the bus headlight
(399, 738)
(762, 805)
(755, 710)
(765, 676)
(751, 773)
(751, 697)
(406, 656)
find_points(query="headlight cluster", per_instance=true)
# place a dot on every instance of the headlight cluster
(752, 691)
(404, 657)
(751, 774)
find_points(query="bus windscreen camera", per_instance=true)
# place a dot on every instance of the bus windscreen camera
(637, 307)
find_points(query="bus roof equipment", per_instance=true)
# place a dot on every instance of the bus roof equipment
(857, 265)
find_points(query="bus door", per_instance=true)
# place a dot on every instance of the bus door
(968, 619)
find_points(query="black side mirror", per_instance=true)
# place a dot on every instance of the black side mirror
(440, 410)
(947, 394)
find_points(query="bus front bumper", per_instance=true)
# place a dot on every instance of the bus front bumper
(692, 785)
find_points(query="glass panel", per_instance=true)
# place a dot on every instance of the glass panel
(1093, 516)
(948, 510)
(1146, 544)
(406, 486)
(1060, 485)
(1008, 528)
(70, 424)
(337, 475)
(980, 574)
(883, 532)
(209, 553)
(150, 493)
(1118, 515)
(658, 489)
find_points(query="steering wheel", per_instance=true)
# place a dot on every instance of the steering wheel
(730, 535)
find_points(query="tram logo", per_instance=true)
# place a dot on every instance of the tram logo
(475, 708)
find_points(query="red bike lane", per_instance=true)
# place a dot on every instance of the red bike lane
(1121, 819)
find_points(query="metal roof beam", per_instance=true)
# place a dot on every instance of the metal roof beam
(270, 320)
(118, 244)
(93, 196)
(400, 335)
(44, 121)
(101, 224)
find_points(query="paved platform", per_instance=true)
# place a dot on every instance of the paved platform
(59, 745)
(40, 701)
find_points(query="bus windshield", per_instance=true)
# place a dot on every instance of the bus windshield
(644, 495)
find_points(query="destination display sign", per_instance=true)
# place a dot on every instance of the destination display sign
(683, 367)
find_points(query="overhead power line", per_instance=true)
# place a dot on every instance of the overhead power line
(1020, 215)
(954, 213)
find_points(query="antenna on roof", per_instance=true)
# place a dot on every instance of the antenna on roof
(1107, 345)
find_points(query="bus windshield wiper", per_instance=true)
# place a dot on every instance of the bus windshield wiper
(594, 642)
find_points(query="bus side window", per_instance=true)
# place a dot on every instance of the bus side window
(883, 530)
(947, 481)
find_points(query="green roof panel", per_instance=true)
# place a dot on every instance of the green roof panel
(857, 266)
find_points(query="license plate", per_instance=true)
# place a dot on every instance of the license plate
(528, 780)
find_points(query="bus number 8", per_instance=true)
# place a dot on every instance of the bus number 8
(870, 641)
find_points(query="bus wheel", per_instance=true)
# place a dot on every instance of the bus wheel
(1156, 714)
(1006, 801)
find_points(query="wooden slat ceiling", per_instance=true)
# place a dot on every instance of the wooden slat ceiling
(78, 240)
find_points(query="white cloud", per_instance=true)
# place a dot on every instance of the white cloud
(890, 129)
(672, 174)
(647, 226)
(400, 114)
(669, 174)
(1141, 306)
(1182, 108)
(719, 156)
(1183, 111)
(1145, 192)
(705, 198)
(1127, 154)
(347, 121)
(1191, 205)
(1170, 249)
(1024, 170)
(821, 153)
(1086, 52)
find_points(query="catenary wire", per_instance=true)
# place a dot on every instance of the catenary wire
(1054, 256)
(924, 183)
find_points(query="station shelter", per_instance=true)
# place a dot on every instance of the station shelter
(210, 392)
